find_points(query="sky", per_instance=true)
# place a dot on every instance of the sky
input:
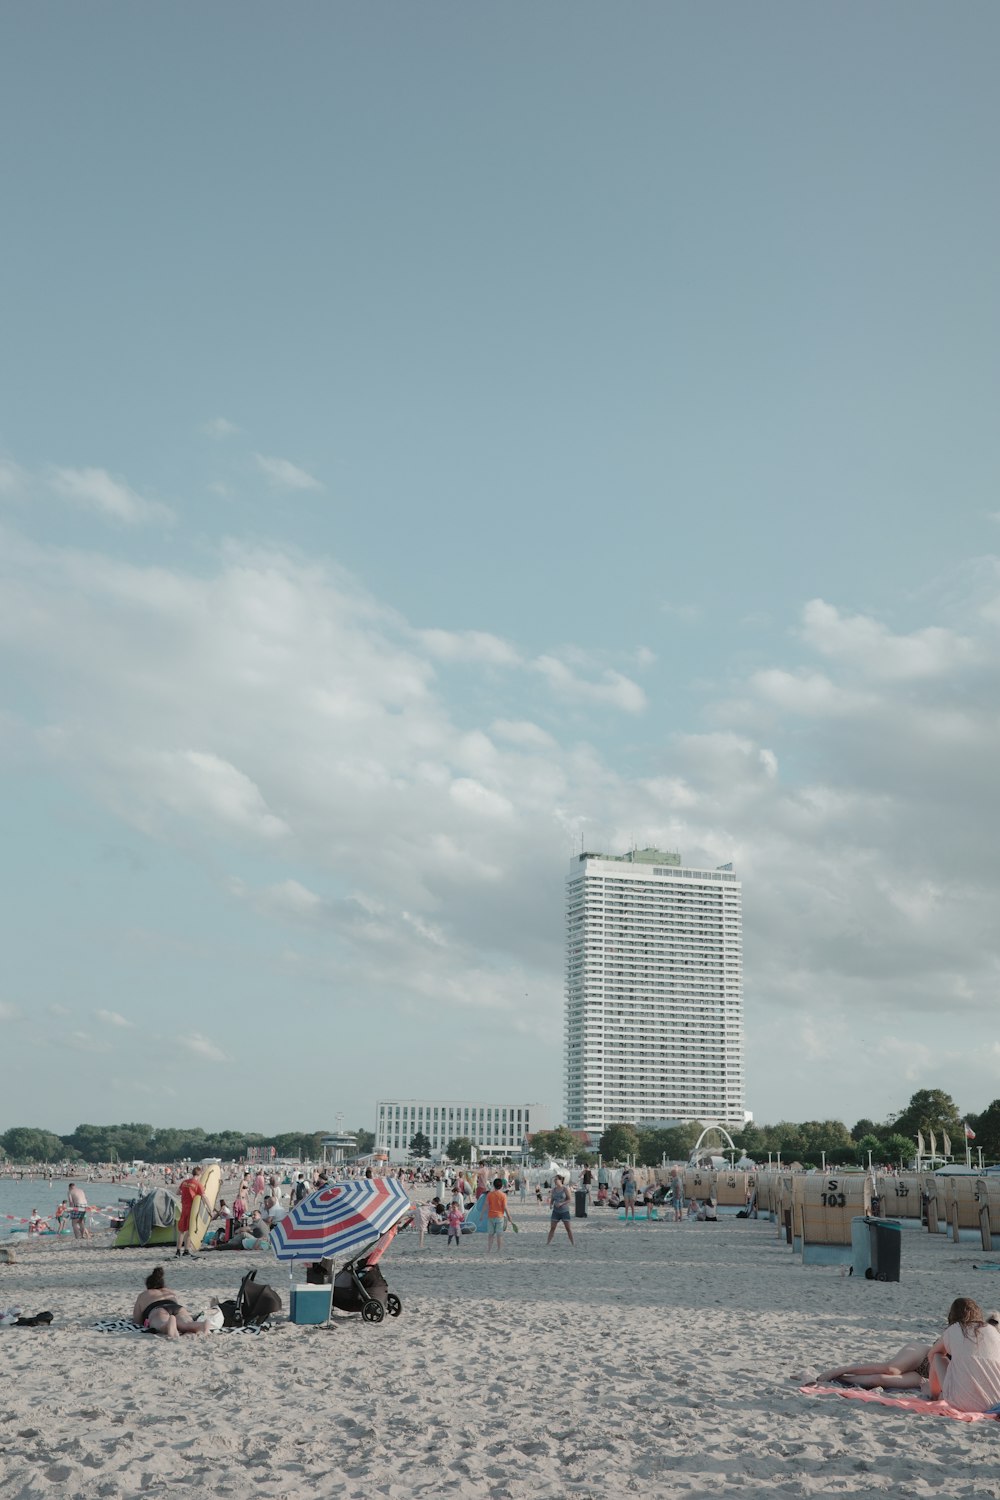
(436, 438)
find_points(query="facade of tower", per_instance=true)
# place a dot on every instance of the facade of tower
(654, 991)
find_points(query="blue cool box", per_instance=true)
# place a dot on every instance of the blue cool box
(310, 1304)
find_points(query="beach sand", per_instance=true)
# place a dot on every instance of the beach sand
(655, 1359)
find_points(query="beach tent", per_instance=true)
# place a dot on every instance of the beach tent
(151, 1220)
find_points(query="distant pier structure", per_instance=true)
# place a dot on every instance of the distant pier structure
(338, 1148)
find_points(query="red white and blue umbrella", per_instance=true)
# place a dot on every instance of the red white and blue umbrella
(340, 1218)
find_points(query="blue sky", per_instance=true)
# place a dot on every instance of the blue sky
(432, 435)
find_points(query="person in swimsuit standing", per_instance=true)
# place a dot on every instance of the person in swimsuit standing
(159, 1310)
(559, 1199)
(77, 1200)
(629, 1190)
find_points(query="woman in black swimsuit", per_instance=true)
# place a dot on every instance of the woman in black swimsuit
(159, 1310)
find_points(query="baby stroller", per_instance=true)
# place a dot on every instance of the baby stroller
(358, 1287)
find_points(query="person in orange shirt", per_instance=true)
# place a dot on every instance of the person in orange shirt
(190, 1189)
(497, 1216)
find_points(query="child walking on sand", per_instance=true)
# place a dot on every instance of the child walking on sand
(497, 1216)
(456, 1218)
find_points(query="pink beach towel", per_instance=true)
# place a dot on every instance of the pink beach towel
(920, 1404)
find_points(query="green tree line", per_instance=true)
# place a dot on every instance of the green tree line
(141, 1142)
(890, 1141)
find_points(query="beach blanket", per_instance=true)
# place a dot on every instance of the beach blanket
(922, 1405)
(126, 1325)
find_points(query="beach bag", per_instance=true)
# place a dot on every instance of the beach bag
(229, 1311)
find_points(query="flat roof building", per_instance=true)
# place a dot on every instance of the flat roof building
(654, 991)
(494, 1129)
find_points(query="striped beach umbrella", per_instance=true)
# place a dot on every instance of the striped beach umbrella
(339, 1219)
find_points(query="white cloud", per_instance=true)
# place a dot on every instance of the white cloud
(425, 930)
(79, 1041)
(219, 427)
(722, 758)
(686, 614)
(807, 692)
(284, 899)
(671, 793)
(201, 1046)
(475, 797)
(522, 732)
(112, 1018)
(612, 690)
(200, 783)
(872, 648)
(8, 1012)
(283, 475)
(12, 477)
(468, 645)
(97, 490)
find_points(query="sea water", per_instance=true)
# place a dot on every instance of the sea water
(18, 1198)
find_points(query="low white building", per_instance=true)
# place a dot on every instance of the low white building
(494, 1129)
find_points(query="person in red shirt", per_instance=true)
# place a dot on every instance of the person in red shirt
(190, 1189)
(497, 1216)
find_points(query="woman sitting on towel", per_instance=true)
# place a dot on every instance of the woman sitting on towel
(965, 1361)
(159, 1311)
(961, 1367)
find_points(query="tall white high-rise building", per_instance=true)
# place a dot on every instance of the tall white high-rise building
(654, 991)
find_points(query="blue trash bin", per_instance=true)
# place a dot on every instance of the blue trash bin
(861, 1247)
(876, 1248)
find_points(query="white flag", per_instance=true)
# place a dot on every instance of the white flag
(947, 1143)
(921, 1148)
(933, 1145)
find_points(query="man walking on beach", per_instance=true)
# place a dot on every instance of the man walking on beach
(77, 1200)
(190, 1189)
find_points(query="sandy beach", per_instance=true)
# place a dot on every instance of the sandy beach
(651, 1359)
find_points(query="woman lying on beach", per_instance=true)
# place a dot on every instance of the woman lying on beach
(158, 1309)
(905, 1371)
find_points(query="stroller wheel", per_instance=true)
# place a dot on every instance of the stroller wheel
(393, 1306)
(373, 1312)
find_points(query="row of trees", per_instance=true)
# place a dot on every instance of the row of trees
(140, 1142)
(892, 1140)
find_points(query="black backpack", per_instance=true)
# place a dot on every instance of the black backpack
(255, 1302)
